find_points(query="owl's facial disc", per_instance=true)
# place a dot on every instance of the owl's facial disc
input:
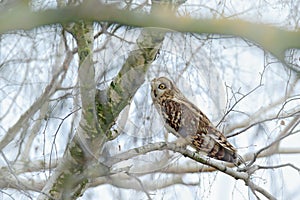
(153, 89)
(159, 86)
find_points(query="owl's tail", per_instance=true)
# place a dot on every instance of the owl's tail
(221, 153)
(216, 146)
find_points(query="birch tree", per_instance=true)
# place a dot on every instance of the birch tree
(77, 120)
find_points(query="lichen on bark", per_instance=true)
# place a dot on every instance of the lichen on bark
(98, 113)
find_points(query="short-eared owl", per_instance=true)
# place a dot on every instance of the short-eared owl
(185, 120)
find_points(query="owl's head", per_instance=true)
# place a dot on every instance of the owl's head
(162, 86)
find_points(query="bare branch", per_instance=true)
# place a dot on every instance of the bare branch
(245, 176)
(275, 144)
(123, 180)
(48, 91)
(256, 117)
(23, 18)
(279, 166)
(255, 188)
(236, 102)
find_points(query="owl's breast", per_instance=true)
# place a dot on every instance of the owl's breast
(171, 113)
(178, 118)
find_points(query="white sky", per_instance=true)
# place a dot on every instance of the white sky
(245, 60)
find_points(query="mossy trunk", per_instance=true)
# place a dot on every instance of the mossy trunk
(73, 174)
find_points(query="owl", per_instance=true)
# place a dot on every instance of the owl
(188, 122)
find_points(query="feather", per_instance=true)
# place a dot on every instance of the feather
(185, 120)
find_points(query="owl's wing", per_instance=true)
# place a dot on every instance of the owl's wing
(189, 118)
(220, 138)
(222, 149)
(192, 119)
(204, 136)
(193, 115)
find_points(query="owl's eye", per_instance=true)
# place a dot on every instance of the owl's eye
(162, 86)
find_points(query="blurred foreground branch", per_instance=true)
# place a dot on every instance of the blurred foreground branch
(272, 39)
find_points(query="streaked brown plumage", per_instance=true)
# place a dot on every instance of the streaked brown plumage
(185, 120)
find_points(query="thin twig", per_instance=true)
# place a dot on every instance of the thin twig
(285, 133)
(279, 166)
(245, 176)
(238, 101)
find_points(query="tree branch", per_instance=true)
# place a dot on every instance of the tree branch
(273, 146)
(49, 90)
(98, 113)
(245, 176)
(272, 39)
(123, 180)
